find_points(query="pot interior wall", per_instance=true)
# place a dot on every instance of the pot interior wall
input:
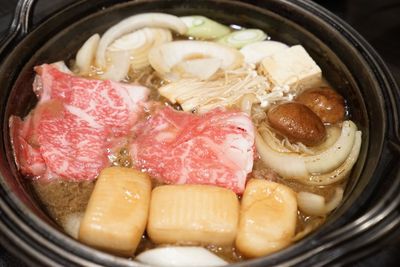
(341, 66)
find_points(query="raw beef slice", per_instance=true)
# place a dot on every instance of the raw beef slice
(68, 133)
(27, 156)
(215, 148)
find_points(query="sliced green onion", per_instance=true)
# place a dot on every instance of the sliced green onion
(204, 28)
(238, 39)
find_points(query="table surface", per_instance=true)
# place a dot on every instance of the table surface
(377, 21)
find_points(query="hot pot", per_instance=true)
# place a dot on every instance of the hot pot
(367, 218)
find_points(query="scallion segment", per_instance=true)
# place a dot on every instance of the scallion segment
(238, 39)
(204, 28)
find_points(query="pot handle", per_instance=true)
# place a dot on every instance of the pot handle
(20, 25)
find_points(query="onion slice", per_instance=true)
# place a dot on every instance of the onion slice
(169, 55)
(254, 53)
(118, 67)
(139, 43)
(287, 165)
(72, 223)
(336, 159)
(133, 23)
(313, 204)
(60, 65)
(342, 171)
(180, 256)
(86, 53)
(202, 68)
(335, 155)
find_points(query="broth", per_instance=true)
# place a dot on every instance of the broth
(61, 198)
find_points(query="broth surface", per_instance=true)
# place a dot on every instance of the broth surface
(60, 199)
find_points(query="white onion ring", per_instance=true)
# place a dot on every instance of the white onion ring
(133, 23)
(302, 168)
(313, 204)
(85, 55)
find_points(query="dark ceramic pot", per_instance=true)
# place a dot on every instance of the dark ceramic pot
(369, 215)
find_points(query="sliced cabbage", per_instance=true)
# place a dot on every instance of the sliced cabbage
(180, 256)
(176, 60)
(133, 23)
(238, 39)
(255, 52)
(204, 28)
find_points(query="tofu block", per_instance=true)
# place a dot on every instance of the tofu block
(268, 217)
(193, 214)
(116, 215)
(293, 67)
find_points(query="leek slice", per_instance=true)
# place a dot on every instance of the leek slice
(238, 39)
(204, 28)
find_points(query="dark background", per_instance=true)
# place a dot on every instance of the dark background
(377, 20)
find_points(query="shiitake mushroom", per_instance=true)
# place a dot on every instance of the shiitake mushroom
(297, 122)
(325, 102)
